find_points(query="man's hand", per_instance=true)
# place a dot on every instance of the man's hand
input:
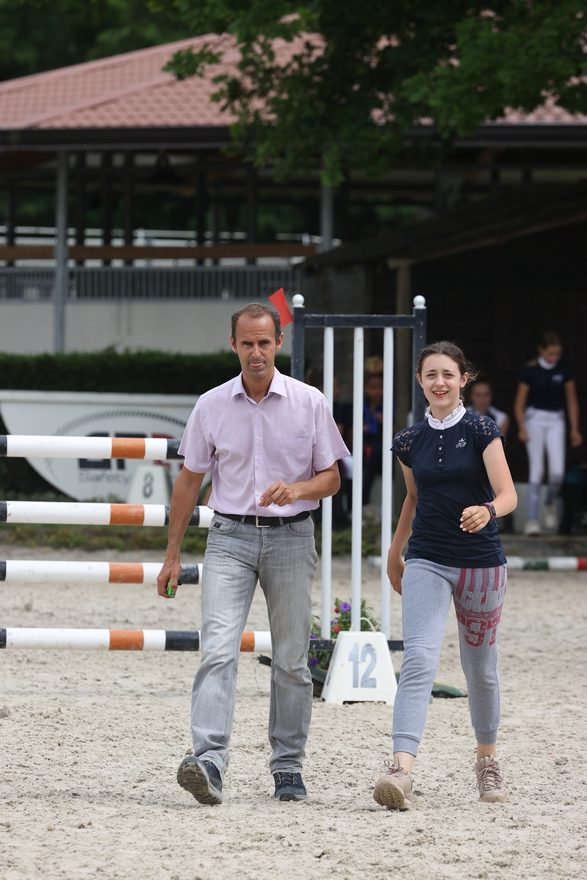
(168, 578)
(279, 493)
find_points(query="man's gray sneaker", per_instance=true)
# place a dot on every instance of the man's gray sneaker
(492, 785)
(202, 779)
(289, 787)
(394, 789)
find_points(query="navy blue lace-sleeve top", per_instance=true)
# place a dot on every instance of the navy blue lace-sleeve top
(449, 473)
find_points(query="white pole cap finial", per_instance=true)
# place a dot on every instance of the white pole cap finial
(419, 302)
(297, 301)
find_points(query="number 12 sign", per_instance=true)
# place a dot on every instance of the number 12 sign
(360, 670)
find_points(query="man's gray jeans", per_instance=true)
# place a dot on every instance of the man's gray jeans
(283, 559)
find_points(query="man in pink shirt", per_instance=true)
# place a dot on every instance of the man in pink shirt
(272, 447)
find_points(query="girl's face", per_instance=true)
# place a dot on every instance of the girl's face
(441, 382)
(551, 354)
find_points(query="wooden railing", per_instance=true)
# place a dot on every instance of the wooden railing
(130, 253)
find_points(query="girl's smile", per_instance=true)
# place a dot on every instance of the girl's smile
(441, 383)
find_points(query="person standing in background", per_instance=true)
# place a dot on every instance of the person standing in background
(546, 388)
(480, 402)
(479, 398)
(372, 424)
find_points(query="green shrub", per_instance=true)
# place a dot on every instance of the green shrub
(142, 372)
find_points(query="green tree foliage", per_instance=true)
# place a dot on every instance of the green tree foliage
(346, 81)
(37, 35)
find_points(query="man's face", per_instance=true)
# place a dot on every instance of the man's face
(256, 347)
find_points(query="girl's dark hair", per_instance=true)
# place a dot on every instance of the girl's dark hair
(549, 338)
(450, 350)
(256, 310)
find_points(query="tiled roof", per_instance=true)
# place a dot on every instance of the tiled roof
(124, 91)
(548, 113)
(132, 91)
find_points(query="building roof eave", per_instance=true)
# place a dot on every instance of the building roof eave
(87, 139)
(491, 221)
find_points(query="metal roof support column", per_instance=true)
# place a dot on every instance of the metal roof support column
(106, 199)
(128, 201)
(61, 273)
(251, 196)
(201, 206)
(326, 217)
(79, 207)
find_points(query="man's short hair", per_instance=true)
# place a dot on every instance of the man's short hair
(257, 310)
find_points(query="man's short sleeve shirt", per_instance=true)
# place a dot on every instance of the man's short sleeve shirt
(289, 435)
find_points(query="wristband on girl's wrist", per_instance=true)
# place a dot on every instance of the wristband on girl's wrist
(491, 508)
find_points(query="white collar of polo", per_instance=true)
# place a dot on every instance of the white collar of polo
(452, 418)
(546, 365)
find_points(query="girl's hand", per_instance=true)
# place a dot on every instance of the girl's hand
(576, 439)
(395, 570)
(475, 518)
(523, 435)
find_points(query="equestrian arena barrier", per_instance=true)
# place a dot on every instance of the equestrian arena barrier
(138, 640)
(25, 572)
(33, 572)
(95, 514)
(551, 563)
(119, 639)
(80, 513)
(37, 446)
(529, 563)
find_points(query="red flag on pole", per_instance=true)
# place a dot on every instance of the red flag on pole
(279, 301)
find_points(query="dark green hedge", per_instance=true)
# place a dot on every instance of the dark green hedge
(145, 372)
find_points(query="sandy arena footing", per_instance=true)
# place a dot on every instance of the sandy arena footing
(91, 743)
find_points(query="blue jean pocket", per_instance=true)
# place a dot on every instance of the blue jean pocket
(304, 528)
(222, 526)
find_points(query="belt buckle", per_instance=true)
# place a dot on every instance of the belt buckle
(258, 524)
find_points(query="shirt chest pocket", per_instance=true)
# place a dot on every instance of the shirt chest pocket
(293, 454)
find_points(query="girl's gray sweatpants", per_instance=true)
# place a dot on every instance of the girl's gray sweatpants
(478, 594)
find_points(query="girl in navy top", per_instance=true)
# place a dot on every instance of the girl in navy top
(457, 482)
(546, 386)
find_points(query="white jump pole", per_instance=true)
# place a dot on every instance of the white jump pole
(119, 639)
(35, 572)
(90, 513)
(386, 477)
(326, 592)
(357, 515)
(43, 446)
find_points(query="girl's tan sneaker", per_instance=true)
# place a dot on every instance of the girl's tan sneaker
(492, 785)
(394, 789)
